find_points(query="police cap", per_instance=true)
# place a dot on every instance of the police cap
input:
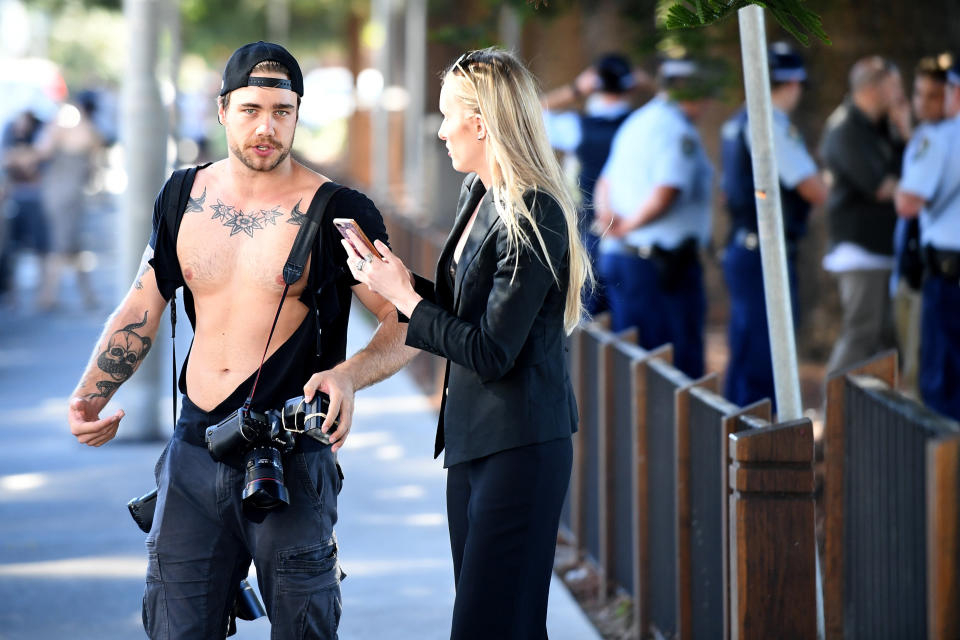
(616, 74)
(786, 65)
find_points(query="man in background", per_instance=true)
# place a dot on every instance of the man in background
(863, 157)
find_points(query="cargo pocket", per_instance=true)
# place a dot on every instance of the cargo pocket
(311, 480)
(308, 582)
(154, 612)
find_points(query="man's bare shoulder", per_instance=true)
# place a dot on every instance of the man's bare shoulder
(306, 181)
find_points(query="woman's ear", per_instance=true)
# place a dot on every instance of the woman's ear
(481, 127)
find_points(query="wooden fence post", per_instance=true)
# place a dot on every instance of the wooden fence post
(943, 538)
(772, 546)
(761, 410)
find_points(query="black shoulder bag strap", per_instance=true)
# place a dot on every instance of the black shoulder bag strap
(171, 218)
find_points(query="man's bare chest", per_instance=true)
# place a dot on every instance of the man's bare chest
(224, 243)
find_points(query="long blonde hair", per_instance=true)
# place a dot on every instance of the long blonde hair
(498, 87)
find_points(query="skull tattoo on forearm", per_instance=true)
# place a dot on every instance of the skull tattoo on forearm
(124, 352)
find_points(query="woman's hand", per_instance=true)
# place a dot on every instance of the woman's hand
(387, 277)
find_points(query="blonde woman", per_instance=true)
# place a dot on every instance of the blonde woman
(508, 287)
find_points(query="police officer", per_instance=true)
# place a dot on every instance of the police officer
(750, 370)
(930, 189)
(587, 135)
(929, 84)
(654, 196)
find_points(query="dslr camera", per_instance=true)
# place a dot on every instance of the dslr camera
(261, 439)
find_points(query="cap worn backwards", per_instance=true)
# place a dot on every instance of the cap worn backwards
(237, 72)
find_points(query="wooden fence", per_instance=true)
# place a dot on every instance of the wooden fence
(703, 512)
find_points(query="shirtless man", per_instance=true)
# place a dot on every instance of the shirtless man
(235, 234)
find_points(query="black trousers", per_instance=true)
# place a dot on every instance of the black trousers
(504, 511)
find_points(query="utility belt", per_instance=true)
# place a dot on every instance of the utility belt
(688, 251)
(671, 265)
(943, 263)
(750, 240)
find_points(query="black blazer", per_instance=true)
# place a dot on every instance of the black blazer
(506, 383)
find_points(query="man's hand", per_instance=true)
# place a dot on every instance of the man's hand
(620, 227)
(887, 189)
(587, 81)
(339, 387)
(86, 424)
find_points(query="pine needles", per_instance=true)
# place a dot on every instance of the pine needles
(791, 14)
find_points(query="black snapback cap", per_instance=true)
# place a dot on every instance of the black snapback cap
(237, 72)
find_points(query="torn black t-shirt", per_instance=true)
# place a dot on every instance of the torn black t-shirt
(320, 342)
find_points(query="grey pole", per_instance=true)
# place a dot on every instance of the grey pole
(776, 283)
(380, 14)
(415, 72)
(278, 20)
(509, 28)
(773, 254)
(143, 134)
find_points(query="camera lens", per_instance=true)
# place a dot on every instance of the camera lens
(263, 484)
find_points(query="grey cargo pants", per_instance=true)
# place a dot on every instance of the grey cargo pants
(201, 545)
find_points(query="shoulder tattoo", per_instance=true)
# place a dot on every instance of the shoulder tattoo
(196, 204)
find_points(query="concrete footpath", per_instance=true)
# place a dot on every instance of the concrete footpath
(72, 562)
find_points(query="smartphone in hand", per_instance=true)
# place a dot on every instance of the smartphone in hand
(349, 224)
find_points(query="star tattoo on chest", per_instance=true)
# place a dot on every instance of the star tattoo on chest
(239, 221)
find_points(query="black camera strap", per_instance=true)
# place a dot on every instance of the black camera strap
(296, 262)
(292, 270)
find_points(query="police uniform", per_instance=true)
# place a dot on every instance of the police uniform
(653, 274)
(749, 374)
(933, 174)
(906, 281)
(588, 135)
